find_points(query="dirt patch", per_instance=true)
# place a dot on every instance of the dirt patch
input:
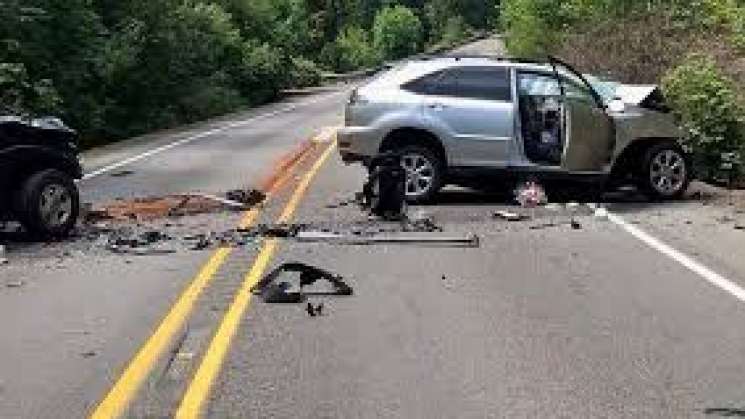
(152, 208)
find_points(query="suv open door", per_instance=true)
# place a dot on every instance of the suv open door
(590, 133)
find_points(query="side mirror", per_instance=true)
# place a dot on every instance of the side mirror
(617, 105)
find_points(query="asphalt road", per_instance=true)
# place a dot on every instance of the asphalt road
(634, 315)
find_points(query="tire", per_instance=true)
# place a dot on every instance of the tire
(665, 172)
(430, 172)
(48, 204)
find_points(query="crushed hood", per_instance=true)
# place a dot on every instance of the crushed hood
(635, 94)
(643, 96)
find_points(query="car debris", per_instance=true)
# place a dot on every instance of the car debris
(250, 197)
(511, 216)
(385, 189)
(238, 206)
(530, 195)
(543, 226)
(420, 222)
(601, 212)
(314, 311)
(471, 240)
(143, 244)
(304, 275)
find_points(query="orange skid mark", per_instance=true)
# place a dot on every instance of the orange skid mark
(285, 164)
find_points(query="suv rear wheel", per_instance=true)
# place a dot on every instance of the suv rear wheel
(424, 173)
(665, 172)
(47, 204)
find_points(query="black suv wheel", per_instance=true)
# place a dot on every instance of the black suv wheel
(47, 204)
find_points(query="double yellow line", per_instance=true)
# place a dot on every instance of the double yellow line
(124, 390)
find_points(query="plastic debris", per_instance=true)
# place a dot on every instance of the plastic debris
(314, 311)
(305, 275)
(246, 196)
(601, 212)
(385, 189)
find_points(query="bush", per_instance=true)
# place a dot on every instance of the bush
(455, 30)
(354, 50)
(304, 73)
(397, 32)
(21, 96)
(708, 108)
(262, 72)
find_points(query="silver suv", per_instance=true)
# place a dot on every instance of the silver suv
(459, 119)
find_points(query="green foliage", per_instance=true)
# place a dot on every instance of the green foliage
(21, 96)
(707, 105)
(397, 32)
(115, 68)
(455, 30)
(354, 50)
(304, 73)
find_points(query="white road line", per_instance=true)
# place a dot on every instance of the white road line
(685, 260)
(201, 135)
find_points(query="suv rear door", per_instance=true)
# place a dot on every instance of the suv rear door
(473, 104)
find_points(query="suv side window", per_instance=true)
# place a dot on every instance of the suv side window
(424, 85)
(486, 83)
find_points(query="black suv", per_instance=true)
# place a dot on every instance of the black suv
(38, 167)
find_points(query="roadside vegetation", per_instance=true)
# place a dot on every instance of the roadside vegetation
(694, 48)
(114, 68)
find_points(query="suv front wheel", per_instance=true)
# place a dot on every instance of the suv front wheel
(47, 204)
(666, 172)
(424, 173)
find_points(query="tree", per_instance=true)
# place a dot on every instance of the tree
(397, 32)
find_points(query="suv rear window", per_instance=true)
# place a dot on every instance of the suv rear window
(486, 83)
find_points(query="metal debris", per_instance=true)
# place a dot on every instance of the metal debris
(305, 275)
(510, 216)
(400, 238)
(143, 244)
(246, 196)
(314, 311)
(542, 226)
